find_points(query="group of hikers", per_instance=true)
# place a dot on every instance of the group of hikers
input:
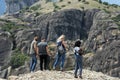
(40, 50)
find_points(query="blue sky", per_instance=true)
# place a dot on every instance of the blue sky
(3, 6)
(112, 1)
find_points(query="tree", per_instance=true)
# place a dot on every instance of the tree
(100, 1)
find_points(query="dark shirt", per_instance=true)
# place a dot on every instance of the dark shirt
(42, 48)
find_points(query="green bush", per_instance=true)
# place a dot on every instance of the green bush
(114, 5)
(11, 26)
(69, 2)
(105, 3)
(79, 0)
(106, 11)
(117, 20)
(83, 0)
(18, 60)
(61, 0)
(100, 1)
(56, 7)
(86, 2)
(63, 5)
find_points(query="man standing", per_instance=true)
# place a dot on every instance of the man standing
(33, 52)
(43, 54)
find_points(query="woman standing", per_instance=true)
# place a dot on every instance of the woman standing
(78, 59)
(61, 50)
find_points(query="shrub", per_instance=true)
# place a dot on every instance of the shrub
(79, 0)
(56, 7)
(86, 2)
(11, 26)
(117, 18)
(18, 60)
(100, 1)
(83, 0)
(69, 2)
(106, 11)
(105, 3)
(114, 5)
(61, 0)
(63, 5)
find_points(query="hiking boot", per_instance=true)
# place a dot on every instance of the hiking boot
(53, 68)
(75, 76)
(80, 77)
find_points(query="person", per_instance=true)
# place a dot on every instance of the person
(78, 59)
(60, 56)
(42, 50)
(33, 52)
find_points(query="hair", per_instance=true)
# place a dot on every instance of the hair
(77, 43)
(62, 36)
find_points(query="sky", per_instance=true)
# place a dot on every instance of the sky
(112, 1)
(3, 6)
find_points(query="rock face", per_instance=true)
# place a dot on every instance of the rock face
(51, 26)
(103, 37)
(73, 23)
(16, 5)
(104, 40)
(6, 46)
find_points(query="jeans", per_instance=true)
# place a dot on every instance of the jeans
(59, 58)
(33, 62)
(43, 60)
(78, 64)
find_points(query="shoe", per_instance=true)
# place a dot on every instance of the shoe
(80, 77)
(75, 76)
(31, 71)
(53, 68)
(62, 70)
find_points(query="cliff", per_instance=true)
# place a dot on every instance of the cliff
(16, 5)
(99, 29)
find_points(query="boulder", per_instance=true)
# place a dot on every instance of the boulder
(6, 46)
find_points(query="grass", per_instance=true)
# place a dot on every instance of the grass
(117, 20)
(8, 26)
(18, 60)
(36, 7)
(76, 4)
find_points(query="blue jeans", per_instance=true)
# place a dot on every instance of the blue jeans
(78, 64)
(60, 58)
(33, 62)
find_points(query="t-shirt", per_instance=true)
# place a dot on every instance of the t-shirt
(76, 50)
(42, 48)
(32, 51)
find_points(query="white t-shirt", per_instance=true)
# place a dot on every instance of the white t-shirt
(32, 51)
(76, 49)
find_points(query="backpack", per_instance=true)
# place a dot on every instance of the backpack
(61, 49)
(81, 52)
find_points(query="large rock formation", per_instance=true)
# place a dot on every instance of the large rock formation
(51, 26)
(16, 5)
(104, 40)
(6, 46)
(103, 36)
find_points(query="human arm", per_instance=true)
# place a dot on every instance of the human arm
(47, 50)
(35, 48)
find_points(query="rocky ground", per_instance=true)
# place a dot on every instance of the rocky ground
(58, 75)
